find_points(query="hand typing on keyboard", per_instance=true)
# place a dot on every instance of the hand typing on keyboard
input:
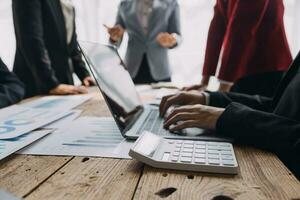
(169, 111)
(181, 98)
(195, 116)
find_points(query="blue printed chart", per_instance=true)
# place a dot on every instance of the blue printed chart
(87, 136)
(21, 120)
(61, 103)
(6, 129)
(8, 147)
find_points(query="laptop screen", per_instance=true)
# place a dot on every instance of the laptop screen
(114, 82)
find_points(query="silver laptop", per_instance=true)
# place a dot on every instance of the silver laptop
(123, 100)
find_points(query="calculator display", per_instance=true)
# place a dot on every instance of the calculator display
(148, 144)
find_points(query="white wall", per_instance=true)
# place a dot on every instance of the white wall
(186, 60)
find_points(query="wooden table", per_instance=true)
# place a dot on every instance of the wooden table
(261, 176)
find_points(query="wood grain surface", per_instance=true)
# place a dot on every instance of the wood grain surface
(261, 176)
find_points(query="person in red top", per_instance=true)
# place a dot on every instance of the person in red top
(252, 39)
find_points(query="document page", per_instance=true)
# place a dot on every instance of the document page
(20, 120)
(58, 102)
(8, 147)
(63, 122)
(87, 136)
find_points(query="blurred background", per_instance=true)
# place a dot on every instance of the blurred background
(187, 60)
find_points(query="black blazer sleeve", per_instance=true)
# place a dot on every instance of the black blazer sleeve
(76, 56)
(261, 129)
(220, 99)
(11, 88)
(28, 22)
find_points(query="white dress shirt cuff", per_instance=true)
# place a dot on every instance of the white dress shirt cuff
(226, 82)
(207, 98)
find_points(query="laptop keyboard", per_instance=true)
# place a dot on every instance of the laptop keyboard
(154, 124)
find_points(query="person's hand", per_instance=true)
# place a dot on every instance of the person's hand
(198, 87)
(181, 98)
(116, 32)
(166, 40)
(88, 81)
(193, 116)
(64, 89)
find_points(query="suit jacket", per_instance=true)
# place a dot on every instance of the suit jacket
(164, 18)
(253, 38)
(42, 55)
(11, 88)
(270, 123)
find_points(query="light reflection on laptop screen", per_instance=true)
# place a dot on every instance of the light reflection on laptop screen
(115, 83)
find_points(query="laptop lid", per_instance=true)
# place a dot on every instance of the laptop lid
(114, 82)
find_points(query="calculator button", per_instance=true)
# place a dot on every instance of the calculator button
(198, 155)
(228, 163)
(214, 162)
(178, 145)
(200, 142)
(200, 147)
(200, 151)
(187, 150)
(177, 150)
(176, 154)
(213, 156)
(186, 154)
(213, 152)
(227, 157)
(226, 153)
(189, 142)
(214, 148)
(226, 149)
(225, 145)
(185, 160)
(171, 142)
(200, 161)
(189, 146)
(179, 142)
(174, 159)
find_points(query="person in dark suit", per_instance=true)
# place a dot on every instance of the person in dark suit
(11, 88)
(255, 51)
(269, 123)
(47, 49)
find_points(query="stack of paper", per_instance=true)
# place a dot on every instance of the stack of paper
(25, 120)
(18, 122)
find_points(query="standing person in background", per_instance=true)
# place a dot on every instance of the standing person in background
(255, 51)
(11, 88)
(153, 27)
(47, 48)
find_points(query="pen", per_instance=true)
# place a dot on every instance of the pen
(106, 26)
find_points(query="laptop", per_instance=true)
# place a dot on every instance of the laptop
(117, 87)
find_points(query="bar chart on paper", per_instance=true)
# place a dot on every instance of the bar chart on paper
(108, 136)
(58, 102)
(86, 136)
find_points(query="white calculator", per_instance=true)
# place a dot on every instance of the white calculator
(187, 155)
